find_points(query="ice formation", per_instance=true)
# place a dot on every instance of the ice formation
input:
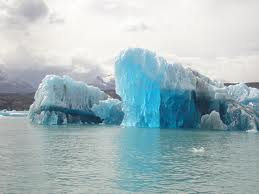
(212, 121)
(61, 100)
(244, 95)
(13, 113)
(158, 94)
(109, 111)
(154, 93)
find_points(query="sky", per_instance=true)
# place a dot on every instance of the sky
(219, 38)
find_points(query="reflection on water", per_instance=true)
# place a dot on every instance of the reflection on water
(101, 159)
(138, 158)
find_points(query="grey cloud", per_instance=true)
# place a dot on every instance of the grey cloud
(21, 58)
(30, 66)
(32, 10)
(19, 13)
(54, 18)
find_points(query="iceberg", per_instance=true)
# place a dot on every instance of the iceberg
(62, 100)
(155, 94)
(13, 113)
(212, 121)
(109, 111)
(245, 95)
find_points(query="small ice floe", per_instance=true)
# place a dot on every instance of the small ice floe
(198, 150)
(5, 113)
(252, 131)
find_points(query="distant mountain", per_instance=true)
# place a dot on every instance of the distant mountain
(12, 84)
(8, 85)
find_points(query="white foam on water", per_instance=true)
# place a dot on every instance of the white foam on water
(198, 150)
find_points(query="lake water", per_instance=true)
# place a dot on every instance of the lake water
(101, 159)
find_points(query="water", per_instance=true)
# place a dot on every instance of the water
(92, 159)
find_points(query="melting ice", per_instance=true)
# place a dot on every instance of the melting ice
(158, 94)
(154, 93)
(62, 100)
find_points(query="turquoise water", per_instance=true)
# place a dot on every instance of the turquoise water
(101, 159)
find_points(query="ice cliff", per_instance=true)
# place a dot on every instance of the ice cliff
(61, 100)
(158, 94)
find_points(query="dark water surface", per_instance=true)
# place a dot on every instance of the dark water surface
(101, 159)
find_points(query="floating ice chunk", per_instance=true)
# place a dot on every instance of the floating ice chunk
(155, 93)
(198, 150)
(252, 131)
(109, 111)
(212, 121)
(13, 113)
(158, 94)
(61, 100)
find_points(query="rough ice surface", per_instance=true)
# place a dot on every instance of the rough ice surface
(238, 116)
(212, 121)
(61, 100)
(154, 93)
(158, 94)
(245, 95)
(109, 111)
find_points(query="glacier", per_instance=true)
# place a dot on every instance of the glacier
(62, 100)
(156, 93)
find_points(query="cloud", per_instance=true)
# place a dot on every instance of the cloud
(18, 14)
(31, 10)
(54, 18)
(241, 68)
(138, 26)
(119, 8)
(22, 57)
(32, 66)
(202, 31)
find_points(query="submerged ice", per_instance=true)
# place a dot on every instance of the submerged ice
(158, 94)
(61, 100)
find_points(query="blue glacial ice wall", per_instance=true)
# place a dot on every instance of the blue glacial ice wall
(62, 100)
(158, 94)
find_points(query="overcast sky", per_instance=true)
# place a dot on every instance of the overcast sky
(219, 38)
